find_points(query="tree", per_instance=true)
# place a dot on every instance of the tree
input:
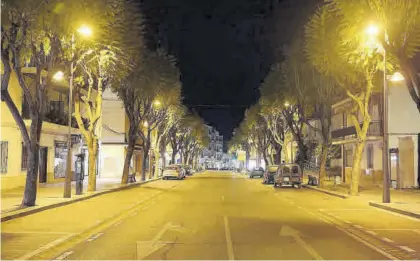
(25, 40)
(399, 20)
(341, 50)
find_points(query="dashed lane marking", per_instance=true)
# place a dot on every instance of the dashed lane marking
(95, 237)
(358, 226)
(118, 223)
(387, 240)
(228, 239)
(406, 248)
(64, 255)
(371, 232)
(397, 214)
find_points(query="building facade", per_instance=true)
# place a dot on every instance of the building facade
(403, 131)
(212, 156)
(53, 141)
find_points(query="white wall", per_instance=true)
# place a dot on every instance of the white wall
(403, 119)
(113, 117)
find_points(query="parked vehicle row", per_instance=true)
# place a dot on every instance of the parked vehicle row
(280, 175)
(177, 171)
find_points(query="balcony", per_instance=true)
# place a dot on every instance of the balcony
(375, 129)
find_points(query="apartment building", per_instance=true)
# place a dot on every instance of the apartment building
(53, 142)
(212, 156)
(404, 138)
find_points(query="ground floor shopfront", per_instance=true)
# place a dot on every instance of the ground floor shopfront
(404, 158)
(53, 155)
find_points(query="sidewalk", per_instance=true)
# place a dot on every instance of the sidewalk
(403, 201)
(51, 195)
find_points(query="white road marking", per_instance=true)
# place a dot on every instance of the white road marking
(223, 198)
(406, 248)
(228, 239)
(288, 231)
(95, 237)
(395, 229)
(118, 223)
(45, 247)
(348, 222)
(387, 240)
(371, 232)
(358, 226)
(64, 255)
(145, 207)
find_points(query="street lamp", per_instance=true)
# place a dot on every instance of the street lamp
(286, 104)
(58, 76)
(86, 32)
(157, 103)
(373, 31)
(145, 124)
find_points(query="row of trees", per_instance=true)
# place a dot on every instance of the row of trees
(40, 37)
(333, 56)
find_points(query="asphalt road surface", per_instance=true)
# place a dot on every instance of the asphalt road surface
(227, 216)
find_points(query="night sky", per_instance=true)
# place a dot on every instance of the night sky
(224, 49)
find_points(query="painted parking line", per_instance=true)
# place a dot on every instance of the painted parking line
(358, 226)
(229, 244)
(46, 247)
(371, 232)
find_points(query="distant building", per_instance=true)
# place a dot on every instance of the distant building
(212, 156)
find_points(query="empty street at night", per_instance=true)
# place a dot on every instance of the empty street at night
(212, 215)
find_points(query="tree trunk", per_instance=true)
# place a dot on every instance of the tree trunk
(355, 171)
(248, 155)
(29, 196)
(322, 168)
(151, 171)
(93, 151)
(173, 156)
(144, 163)
(128, 156)
(277, 158)
(163, 157)
(157, 159)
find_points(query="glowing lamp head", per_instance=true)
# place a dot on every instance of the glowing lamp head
(58, 76)
(372, 30)
(85, 30)
(157, 103)
(397, 77)
(146, 124)
(286, 104)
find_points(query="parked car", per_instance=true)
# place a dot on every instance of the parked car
(256, 172)
(188, 170)
(289, 174)
(173, 172)
(269, 174)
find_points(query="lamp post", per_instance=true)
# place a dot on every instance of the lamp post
(386, 195)
(85, 31)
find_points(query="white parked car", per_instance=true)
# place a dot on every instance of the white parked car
(174, 172)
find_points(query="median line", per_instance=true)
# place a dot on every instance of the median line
(228, 239)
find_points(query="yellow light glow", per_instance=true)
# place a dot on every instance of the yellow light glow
(146, 124)
(372, 30)
(58, 76)
(157, 103)
(287, 104)
(397, 77)
(85, 30)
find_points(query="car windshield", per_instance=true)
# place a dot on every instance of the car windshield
(291, 170)
(171, 168)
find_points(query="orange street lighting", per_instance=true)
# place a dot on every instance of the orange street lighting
(85, 30)
(397, 77)
(58, 76)
(157, 103)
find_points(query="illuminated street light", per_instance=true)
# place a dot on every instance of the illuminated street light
(157, 103)
(85, 30)
(372, 30)
(146, 124)
(287, 104)
(397, 77)
(58, 76)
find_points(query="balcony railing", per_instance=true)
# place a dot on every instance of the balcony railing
(375, 129)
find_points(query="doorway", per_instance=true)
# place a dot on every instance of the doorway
(43, 156)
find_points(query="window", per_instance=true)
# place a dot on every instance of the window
(349, 157)
(370, 156)
(4, 155)
(24, 162)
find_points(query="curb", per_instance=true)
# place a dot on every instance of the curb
(331, 193)
(31, 211)
(395, 210)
